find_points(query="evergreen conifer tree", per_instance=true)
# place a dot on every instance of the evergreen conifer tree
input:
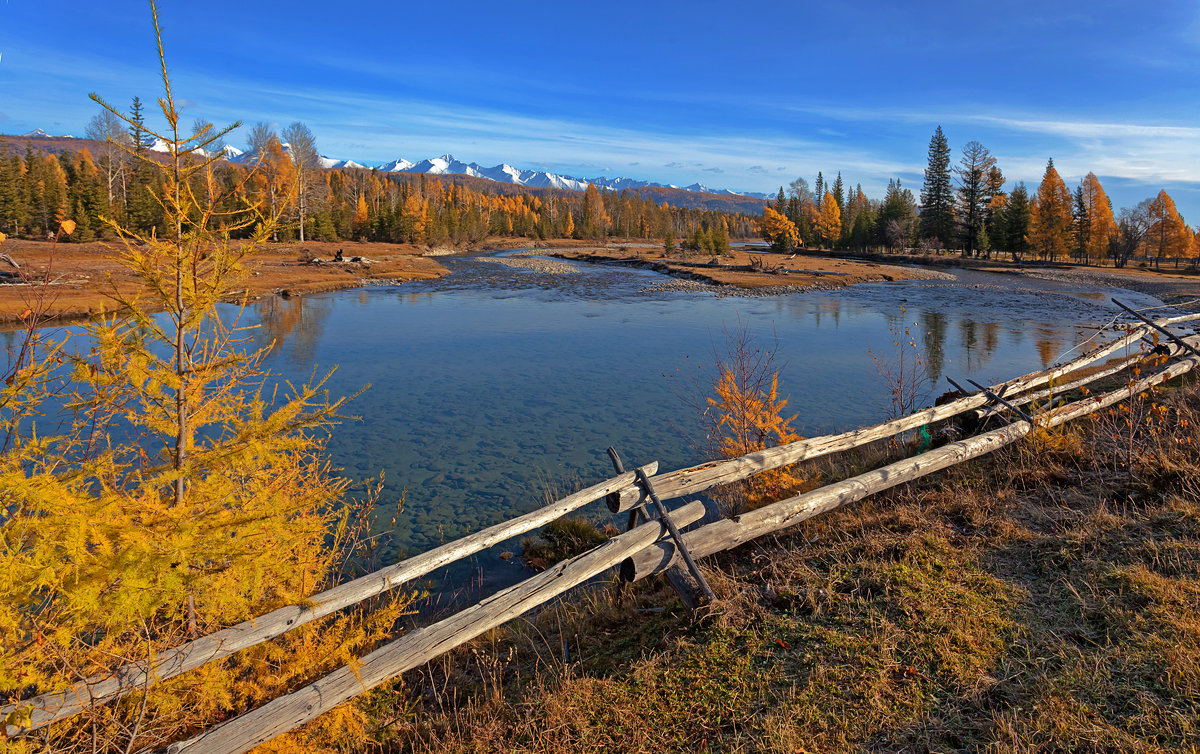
(937, 197)
(973, 171)
(1015, 220)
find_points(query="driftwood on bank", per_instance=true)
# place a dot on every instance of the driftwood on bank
(60, 705)
(703, 476)
(418, 647)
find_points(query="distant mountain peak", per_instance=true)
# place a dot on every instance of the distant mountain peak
(448, 164)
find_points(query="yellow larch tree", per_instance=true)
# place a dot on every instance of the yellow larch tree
(182, 496)
(1050, 223)
(1102, 226)
(829, 222)
(415, 218)
(1168, 235)
(745, 414)
(779, 230)
(362, 217)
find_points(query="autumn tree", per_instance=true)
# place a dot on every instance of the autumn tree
(273, 170)
(1167, 235)
(778, 230)
(1050, 220)
(745, 413)
(306, 162)
(181, 497)
(362, 218)
(800, 208)
(1095, 219)
(829, 222)
(1132, 226)
(937, 194)
(594, 220)
(973, 170)
(107, 129)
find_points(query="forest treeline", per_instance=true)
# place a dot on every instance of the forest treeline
(967, 206)
(39, 190)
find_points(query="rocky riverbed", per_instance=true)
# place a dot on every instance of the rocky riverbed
(535, 264)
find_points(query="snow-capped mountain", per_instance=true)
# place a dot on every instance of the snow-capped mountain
(505, 173)
(448, 165)
(395, 166)
(330, 163)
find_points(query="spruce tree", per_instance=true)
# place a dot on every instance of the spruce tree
(137, 125)
(937, 197)
(1015, 219)
(1081, 225)
(973, 171)
(839, 193)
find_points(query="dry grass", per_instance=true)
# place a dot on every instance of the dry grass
(1046, 599)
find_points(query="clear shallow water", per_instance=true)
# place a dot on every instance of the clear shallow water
(490, 383)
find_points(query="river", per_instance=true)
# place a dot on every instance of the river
(492, 386)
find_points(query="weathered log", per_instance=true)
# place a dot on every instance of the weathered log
(703, 476)
(419, 647)
(59, 705)
(729, 533)
(1115, 368)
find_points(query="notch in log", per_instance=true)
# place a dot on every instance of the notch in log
(685, 578)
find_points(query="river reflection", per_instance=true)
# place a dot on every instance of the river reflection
(293, 324)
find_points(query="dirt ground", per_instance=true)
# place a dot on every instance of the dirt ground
(79, 273)
(745, 270)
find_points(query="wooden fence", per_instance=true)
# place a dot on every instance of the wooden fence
(650, 547)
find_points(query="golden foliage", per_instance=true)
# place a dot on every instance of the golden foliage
(1168, 235)
(778, 229)
(1102, 226)
(1050, 222)
(181, 497)
(829, 221)
(746, 415)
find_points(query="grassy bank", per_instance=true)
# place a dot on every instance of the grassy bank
(1046, 598)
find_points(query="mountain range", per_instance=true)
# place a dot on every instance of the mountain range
(502, 173)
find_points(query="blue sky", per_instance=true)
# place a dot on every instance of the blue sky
(745, 96)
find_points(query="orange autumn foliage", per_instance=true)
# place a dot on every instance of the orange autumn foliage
(745, 415)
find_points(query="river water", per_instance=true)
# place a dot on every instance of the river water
(492, 385)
